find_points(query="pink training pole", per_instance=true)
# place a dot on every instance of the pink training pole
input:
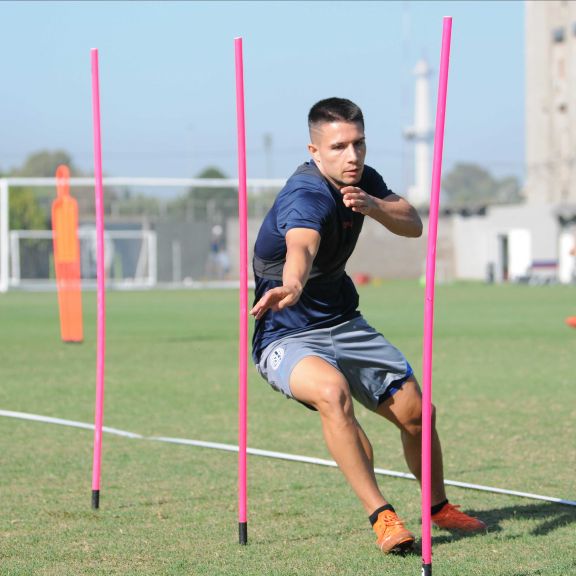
(99, 197)
(429, 303)
(243, 341)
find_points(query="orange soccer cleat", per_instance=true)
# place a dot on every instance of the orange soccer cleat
(391, 534)
(450, 518)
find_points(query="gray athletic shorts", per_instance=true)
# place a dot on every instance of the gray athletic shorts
(373, 367)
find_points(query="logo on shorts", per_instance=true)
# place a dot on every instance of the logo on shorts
(276, 357)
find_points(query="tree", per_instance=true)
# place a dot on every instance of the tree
(44, 163)
(206, 203)
(471, 185)
(509, 190)
(127, 203)
(30, 206)
(25, 212)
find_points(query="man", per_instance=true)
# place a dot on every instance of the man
(310, 341)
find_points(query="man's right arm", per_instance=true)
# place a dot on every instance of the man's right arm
(392, 211)
(301, 248)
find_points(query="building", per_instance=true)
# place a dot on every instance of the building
(529, 242)
(534, 241)
(550, 48)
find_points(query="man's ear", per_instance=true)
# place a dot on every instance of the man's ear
(313, 149)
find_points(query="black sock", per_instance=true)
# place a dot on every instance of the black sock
(438, 507)
(374, 516)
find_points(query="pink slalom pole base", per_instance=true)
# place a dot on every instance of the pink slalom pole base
(243, 533)
(426, 569)
(95, 499)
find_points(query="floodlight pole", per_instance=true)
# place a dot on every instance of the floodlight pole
(243, 339)
(429, 303)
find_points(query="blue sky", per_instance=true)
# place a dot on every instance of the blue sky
(167, 81)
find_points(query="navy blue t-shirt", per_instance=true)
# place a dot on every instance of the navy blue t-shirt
(329, 296)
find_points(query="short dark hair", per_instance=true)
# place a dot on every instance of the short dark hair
(335, 110)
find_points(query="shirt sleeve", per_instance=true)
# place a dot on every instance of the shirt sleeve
(374, 184)
(304, 208)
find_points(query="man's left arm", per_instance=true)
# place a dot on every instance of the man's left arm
(393, 212)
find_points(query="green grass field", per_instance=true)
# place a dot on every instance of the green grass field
(504, 384)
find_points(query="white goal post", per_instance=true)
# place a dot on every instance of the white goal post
(9, 240)
(141, 273)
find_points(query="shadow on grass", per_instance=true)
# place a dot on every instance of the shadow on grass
(548, 516)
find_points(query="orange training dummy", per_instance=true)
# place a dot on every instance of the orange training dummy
(67, 258)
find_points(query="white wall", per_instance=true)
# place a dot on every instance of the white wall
(476, 239)
(566, 260)
(471, 247)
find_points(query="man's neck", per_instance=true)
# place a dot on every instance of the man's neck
(336, 185)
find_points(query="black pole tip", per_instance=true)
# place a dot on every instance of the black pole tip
(243, 532)
(426, 569)
(95, 499)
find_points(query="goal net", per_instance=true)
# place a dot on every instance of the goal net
(129, 258)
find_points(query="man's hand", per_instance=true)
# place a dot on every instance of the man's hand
(393, 212)
(356, 199)
(276, 299)
(301, 247)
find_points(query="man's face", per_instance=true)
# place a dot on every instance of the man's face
(339, 150)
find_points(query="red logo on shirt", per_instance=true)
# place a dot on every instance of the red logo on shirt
(347, 224)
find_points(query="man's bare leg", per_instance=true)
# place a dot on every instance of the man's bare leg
(315, 382)
(404, 409)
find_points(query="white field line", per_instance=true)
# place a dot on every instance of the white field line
(72, 423)
(270, 454)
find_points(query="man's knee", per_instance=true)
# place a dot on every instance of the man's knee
(334, 396)
(412, 423)
(316, 382)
